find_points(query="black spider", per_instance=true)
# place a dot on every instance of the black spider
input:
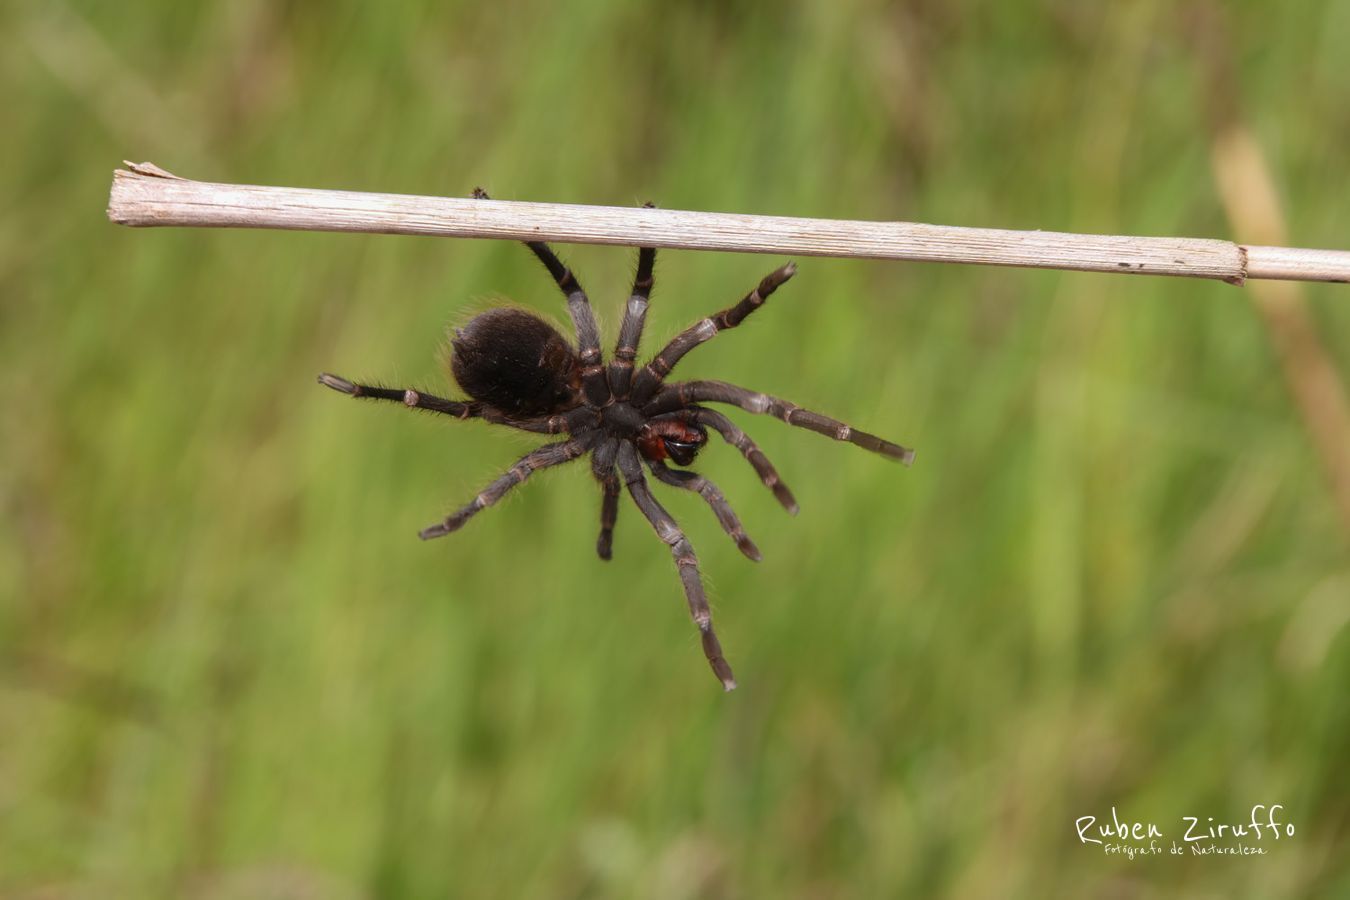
(519, 371)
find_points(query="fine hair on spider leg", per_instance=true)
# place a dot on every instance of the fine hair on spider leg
(519, 371)
(726, 517)
(685, 561)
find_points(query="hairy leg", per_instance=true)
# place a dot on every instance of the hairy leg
(602, 465)
(634, 317)
(594, 385)
(649, 379)
(713, 419)
(540, 458)
(455, 408)
(687, 393)
(685, 561)
(726, 516)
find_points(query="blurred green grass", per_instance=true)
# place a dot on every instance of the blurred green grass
(1113, 577)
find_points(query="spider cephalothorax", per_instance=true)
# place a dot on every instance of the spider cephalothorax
(519, 371)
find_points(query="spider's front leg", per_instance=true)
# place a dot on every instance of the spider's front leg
(635, 315)
(716, 500)
(711, 418)
(649, 379)
(684, 394)
(685, 561)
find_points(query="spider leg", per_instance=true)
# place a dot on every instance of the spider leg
(539, 458)
(649, 379)
(455, 408)
(749, 449)
(635, 315)
(602, 465)
(594, 385)
(609, 512)
(685, 393)
(726, 516)
(685, 561)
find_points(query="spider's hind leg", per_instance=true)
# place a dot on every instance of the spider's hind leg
(408, 397)
(594, 384)
(540, 458)
(414, 399)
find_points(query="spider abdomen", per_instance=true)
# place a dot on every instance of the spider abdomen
(514, 361)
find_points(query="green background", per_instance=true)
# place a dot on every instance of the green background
(1114, 576)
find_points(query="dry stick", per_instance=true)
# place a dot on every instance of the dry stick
(145, 195)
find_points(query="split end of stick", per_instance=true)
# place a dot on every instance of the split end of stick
(149, 168)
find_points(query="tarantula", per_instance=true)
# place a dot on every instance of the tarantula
(519, 371)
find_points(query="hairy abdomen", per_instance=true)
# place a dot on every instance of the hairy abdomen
(514, 361)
